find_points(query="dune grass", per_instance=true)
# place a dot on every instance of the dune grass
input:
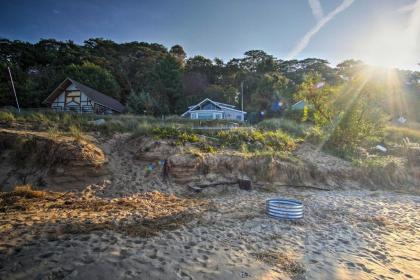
(397, 133)
(291, 126)
(278, 137)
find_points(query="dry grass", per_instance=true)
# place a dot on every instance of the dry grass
(397, 133)
(56, 214)
(286, 262)
(24, 191)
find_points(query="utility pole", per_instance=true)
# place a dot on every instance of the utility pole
(14, 90)
(242, 99)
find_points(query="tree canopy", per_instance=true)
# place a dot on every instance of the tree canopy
(165, 81)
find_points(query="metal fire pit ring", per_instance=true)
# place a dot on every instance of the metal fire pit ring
(280, 208)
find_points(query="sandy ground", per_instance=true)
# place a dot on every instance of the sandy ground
(344, 235)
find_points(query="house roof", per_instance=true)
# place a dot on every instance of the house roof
(224, 104)
(93, 94)
(217, 104)
(298, 103)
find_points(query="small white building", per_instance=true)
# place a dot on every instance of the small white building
(300, 105)
(211, 110)
(72, 96)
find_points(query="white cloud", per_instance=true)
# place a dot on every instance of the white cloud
(303, 43)
(413, 29)
(316, 9)
(407, 8)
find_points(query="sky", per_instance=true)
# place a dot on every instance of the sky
(380, 32)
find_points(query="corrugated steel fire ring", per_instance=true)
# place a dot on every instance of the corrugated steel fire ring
(280, 208)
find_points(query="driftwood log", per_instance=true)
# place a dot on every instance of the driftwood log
(304, 186)
(246, 185)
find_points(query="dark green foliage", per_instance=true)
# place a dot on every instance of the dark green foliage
(95, 77)
(289, 125)
(255, 140)
(141, 103)
(167, 82)
(149, 77)
(347, 116)
(181, 136)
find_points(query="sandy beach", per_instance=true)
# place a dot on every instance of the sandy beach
(347, 234)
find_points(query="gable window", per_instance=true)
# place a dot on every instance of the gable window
(209, 106)
(73, 97)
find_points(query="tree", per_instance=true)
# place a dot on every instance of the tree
(95, 77)
(174, 82)
(258, 61)
(347, 114)
(142, 103)
(225, 94)
(359, 125)
(320, 96)
(271, 88)
(178, 52)
(167, 87)
(348, 69)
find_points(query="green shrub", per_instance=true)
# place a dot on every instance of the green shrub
(377, 161)
(315, 135)
(397, 133)
(289, 125)
(254, 139)
(181, 136)
(7, 117)
(76, 132)
(54, 132)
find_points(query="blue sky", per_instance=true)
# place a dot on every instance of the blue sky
(216, 28)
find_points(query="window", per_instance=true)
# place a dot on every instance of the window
(209, 106)
(73, 96)
(205, 116)
(218, 116)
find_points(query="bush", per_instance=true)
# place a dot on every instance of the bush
(291, 126)
(253, 140)
(397, 133)
(299, 115)
(359, 125)
(377, 162)
(76, 132)
(181, 136)
(7, 117)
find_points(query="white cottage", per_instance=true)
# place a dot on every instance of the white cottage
(211, 110)
(72, 96)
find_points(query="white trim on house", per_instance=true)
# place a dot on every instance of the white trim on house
(193, 106)
(218, 104)
(224, 104)
(216, 115)
(236, 110)
(222, 113)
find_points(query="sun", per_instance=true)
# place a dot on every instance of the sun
(393, 41)
(390, 47)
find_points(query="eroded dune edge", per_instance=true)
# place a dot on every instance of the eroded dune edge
(128, 207)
